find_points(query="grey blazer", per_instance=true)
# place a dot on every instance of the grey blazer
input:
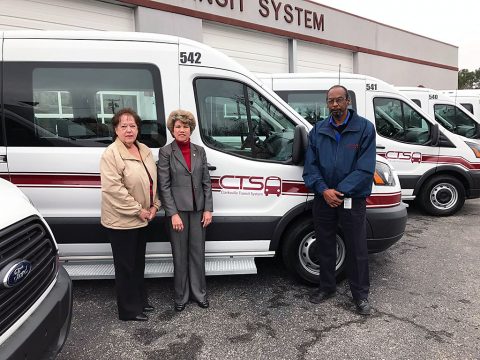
(175, 181)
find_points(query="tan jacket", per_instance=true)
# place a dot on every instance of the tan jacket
(126, 186)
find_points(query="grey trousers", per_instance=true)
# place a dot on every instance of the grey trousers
(188, 249)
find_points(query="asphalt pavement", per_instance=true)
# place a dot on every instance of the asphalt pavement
(425, 293)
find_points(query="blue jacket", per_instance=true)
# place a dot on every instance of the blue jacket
(347, 165)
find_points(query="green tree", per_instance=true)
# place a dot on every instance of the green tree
(469, 79)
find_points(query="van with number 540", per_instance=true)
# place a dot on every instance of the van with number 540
(57, 112)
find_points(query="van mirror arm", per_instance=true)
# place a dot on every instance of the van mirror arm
(435, 135)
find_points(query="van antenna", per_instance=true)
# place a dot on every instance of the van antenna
(339, 71)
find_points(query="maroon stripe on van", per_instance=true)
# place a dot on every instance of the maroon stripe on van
(442, 159)
(384, 200)
(55, 180)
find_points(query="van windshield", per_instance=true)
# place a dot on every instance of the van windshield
(456, 121)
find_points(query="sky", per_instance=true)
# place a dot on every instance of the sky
(454, 22)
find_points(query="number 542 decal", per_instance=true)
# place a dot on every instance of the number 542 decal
(190, 57)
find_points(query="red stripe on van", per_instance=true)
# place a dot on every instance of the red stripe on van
(384, 200)
(443, 159)
(55, 180)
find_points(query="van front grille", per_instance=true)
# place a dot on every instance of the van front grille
(28, 240)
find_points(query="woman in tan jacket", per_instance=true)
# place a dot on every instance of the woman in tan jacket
(129, 201)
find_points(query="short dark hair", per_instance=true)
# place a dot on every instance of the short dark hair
(340, 86)
(118, 115)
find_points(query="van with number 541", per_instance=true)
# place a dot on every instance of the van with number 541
(57, 112)
(437, 168)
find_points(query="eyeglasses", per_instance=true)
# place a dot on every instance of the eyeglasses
(125, 127)
(337, 100)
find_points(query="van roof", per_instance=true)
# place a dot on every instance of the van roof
(89, 35)
(323, 75)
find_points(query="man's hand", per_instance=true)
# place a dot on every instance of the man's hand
(333, 197)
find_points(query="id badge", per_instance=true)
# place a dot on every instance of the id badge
(347, 203)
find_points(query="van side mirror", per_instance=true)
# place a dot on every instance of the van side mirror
(435, 135)
(300, 143)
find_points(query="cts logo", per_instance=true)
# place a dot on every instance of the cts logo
(271, 185)
(414, 157)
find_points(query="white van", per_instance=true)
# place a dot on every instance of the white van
(468, 98)
(60, 90)
(35, 291)
(436, 168)
(448, 113)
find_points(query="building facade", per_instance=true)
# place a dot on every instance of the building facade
(265, 36)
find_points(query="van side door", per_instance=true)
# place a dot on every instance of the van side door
(58, 122)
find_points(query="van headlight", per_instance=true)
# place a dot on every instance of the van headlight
(383, 175)
(475, 148)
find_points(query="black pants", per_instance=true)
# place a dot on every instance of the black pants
(353, 224)
(128, 248)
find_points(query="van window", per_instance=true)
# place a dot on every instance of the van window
(312, 105)
(468, 106)
(236, 119)
(455, 120)
(417, 102)
(52, 104)
(396, 120)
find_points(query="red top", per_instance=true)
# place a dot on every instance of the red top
(185, 148)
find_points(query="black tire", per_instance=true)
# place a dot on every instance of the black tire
(442, 195)
(299, 252)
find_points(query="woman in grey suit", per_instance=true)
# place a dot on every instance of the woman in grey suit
(186, 194)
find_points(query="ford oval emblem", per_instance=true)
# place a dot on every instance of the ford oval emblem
(15, 272)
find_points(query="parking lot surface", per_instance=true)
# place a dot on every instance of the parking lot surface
(425, 292)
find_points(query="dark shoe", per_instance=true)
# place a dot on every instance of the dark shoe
(203, 304)
(148, 308)
(363, 307)
(139, 317)
(179, 307)
(320, 296)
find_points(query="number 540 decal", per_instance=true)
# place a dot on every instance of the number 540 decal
(190, 57)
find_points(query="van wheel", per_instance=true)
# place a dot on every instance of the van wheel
(442, 195)
(299, 252)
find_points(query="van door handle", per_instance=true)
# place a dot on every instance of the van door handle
(380, 146)
(3, 158)
(211, 167)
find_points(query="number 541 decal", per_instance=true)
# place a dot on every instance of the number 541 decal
(190, 57)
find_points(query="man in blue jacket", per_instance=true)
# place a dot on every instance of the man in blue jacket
(339, 169)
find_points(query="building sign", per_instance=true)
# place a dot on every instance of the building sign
(280, 11)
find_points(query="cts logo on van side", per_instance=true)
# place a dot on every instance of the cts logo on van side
(256, 185)
(414, 157)
(15, 272)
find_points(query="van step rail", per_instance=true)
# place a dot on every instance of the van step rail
(160, 268)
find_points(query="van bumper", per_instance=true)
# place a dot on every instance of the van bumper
(385, 227)
(43, 334)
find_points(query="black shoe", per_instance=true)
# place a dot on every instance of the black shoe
(203, 304)
(179, 307)
(320, 296)
(139, 317)
(148, 308)
(363, 307)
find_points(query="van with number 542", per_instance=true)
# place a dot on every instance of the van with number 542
(57, 112)
(437, 168)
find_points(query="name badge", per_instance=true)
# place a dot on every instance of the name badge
(347, 203)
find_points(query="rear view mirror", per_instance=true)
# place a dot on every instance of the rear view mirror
(300, 143)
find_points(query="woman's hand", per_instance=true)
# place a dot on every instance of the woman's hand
(206, 218)
(144, 214)
(177, 223)
(153, 212)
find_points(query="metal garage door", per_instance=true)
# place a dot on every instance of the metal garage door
(313, 57)
(257, 51)
(65, 15)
